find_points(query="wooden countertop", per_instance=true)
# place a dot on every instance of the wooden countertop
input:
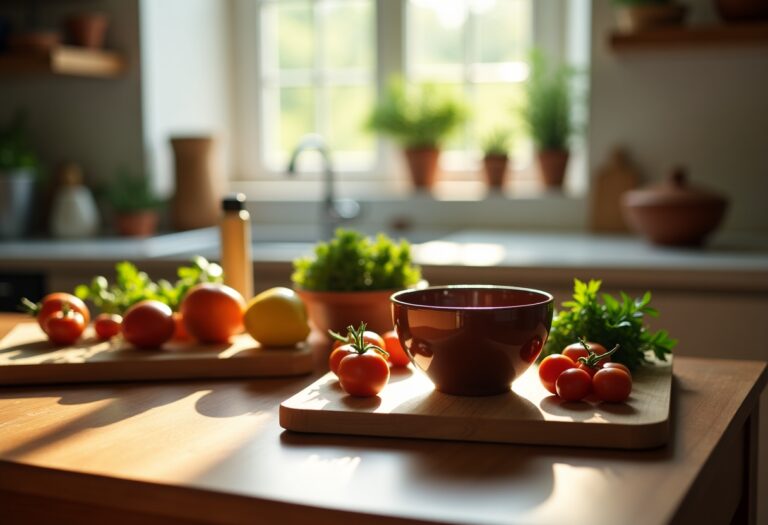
(213, 451)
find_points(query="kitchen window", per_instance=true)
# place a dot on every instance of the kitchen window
(315, 66)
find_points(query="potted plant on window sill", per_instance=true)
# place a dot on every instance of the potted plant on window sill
(420, 118)
(547, 115)
(496, 158)
(350, 278)
(18, 176)
(134, 204)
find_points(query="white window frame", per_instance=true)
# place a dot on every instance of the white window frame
(554, 27)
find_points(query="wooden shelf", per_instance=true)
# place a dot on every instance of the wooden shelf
(720, 36)
(65, 60)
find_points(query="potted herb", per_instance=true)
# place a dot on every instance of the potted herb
(496, 157)
(547, 114)
(641, 15)
(350, 278)
(18, 173)
(134, 203)
(420, 118)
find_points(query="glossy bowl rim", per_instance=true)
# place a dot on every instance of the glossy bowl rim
(395, 298)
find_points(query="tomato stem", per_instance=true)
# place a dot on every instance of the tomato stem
(593, 358)
(358, 341)
(29, 307)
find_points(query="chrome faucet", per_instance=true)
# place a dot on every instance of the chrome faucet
(334, 211)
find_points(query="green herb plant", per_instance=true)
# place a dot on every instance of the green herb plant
(353, 262)
(547, 112)
(609, 322)
(129, 192)
(497, 142)
(15, 151)
(417, 116)
(131, 286)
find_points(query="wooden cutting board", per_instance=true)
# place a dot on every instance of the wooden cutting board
(409, 407)
(26, 357)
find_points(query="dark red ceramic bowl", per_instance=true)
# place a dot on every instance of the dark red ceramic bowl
(472, 340)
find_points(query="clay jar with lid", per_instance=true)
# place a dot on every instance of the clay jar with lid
(674, 212)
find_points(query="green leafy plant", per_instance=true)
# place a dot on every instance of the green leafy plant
(549, 98)
(417, 116)
(15, 150)
(352, 262)
(609, 322)
(129, 192)
(131, 286)
(497, 142)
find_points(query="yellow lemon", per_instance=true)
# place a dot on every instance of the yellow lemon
(277, 317)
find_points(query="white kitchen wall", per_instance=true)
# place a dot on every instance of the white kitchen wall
(706, 109)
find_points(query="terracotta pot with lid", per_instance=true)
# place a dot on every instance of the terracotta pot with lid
(674, 212)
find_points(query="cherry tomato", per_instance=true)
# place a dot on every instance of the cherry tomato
(550, 369)
(612, 384)
(53, 303)
(339, 353)
(148, 324)
(363, 375)
(577, 350)
(65, 326)
(107, 326)
(573, 384)
(369, 337)
(620, 366)
(213, 312)
(397, 356)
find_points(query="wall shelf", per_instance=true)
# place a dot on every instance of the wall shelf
(715, 36)
(65, 60)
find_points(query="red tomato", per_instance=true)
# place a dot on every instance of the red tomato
(576, 350)
(334, 360)
(550, 369)
(612, 384)
(213, 312)
(107, 326)
(53, 303)
(148, 324)
(369, 337)
(619, 366)
(363, 375)
(64, 327)
(573, 384)
(397, 355)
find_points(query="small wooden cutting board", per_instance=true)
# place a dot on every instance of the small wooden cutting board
(26, 357)
(410, 407)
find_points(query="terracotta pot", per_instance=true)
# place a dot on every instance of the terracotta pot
(552, 166)
(338, 310)
(422, 165)
(40, 41)
(141, 223)
(495, 170)
(650, 16)
(197, 197)
(742, 10)
(87, 29)
(674, 212)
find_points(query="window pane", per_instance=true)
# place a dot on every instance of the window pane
(502, 30)
(435, 33)
(348, 34)
(294, 32)
(349, 108)
(297, 116)
(496, 107)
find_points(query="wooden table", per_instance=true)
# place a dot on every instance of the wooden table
(191, 452)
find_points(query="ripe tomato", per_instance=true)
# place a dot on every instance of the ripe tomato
(65, 326)
(363, 375)
(107, 326)
(213, 312)
(371, 338)
(620, 366)
(550, 369)
(397, 356)
(573, 384)
(53, 303)
(612, 384)
(334, 360)
(148, 324)
(577, 350)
